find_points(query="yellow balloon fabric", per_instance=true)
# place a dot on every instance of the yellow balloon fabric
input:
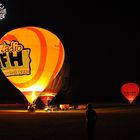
(31, 57)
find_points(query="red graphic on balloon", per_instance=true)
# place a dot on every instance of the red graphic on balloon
(130, 91)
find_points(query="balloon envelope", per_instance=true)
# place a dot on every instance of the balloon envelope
(31, 57)
(130, 91)
(56, 85)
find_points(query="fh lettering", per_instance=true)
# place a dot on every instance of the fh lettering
(14, 59)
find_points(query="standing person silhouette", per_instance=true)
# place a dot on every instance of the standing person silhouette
(91, 118)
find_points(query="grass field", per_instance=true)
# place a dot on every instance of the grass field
(114, 123)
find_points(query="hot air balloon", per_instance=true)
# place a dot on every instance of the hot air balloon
(31, 57)
(56, 85)
(130, 91)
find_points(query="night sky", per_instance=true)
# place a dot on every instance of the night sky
(101, 42)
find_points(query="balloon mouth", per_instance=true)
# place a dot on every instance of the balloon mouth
(31, 96)
(130, 101)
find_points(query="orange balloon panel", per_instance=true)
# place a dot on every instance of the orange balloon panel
(55, 86)
(31, 57)
(130, 91)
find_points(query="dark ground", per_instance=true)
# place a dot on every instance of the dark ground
(114, 123)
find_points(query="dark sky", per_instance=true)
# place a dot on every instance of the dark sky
(101, 42)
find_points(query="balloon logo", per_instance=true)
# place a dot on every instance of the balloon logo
(130, 91)
(56, 85)
(31, 57)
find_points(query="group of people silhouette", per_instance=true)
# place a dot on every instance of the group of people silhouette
(31, 107)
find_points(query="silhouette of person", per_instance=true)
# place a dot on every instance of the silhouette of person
(91, 118)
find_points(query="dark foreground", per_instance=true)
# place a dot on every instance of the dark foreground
(114, 123)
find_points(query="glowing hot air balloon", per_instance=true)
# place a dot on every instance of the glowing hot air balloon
(31, 57)
(55, 86)
(130, 91)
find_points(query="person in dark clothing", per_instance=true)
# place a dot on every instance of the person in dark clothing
(91, 118)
